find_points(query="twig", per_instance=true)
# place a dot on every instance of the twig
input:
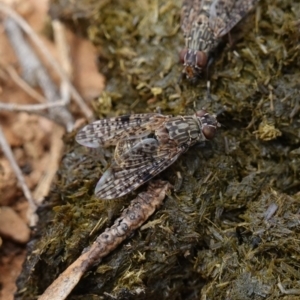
(64, 55)
(46, 53)
(140, 209)
(62, 46)
(24, 85)
(30, 107)
(55, 153)
(287, 291)
(32, 217)
(35, 73)
(37, 111)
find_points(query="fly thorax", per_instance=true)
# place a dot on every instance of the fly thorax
(183, 129)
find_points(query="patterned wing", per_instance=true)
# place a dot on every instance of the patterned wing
(108, 132)
(138, 165)
(225, 14)
(123, 147)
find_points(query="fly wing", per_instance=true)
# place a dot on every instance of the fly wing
(141, 163)
(108, 132)
(123, 147)
(225, 14)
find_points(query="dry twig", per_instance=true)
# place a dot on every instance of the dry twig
(140, 209)
(62, 46)
(46, 53)
(30, 107)
(33, 108)
(35, 73)
(56, 151)
(32, 217)
(64, 55)
(24, 85)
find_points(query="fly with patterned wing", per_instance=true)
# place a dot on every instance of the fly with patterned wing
(146, 144)
(203, 23)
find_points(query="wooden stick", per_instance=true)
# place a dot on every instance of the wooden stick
(47, 54)
(32, 217)
(140, 209)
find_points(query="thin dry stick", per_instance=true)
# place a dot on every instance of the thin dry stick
(30, 107)
(38, 110)
(24, 85)
(140, 209)
(59, 33)
(35, 73)
(64, 55)
(46, 53)
(32, 217)
(57, 144)
(55, 154)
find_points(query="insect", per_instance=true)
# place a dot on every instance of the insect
(203, 23)
(146, 144)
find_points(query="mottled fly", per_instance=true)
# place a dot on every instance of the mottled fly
(146, 144)
(203, 23)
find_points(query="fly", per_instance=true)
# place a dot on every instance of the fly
(203, 23)
(145, 145)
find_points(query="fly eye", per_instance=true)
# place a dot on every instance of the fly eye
(201, 59)
(201, 113)
(209, 132)
(182, 55)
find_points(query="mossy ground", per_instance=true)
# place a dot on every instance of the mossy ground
(230, 230)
